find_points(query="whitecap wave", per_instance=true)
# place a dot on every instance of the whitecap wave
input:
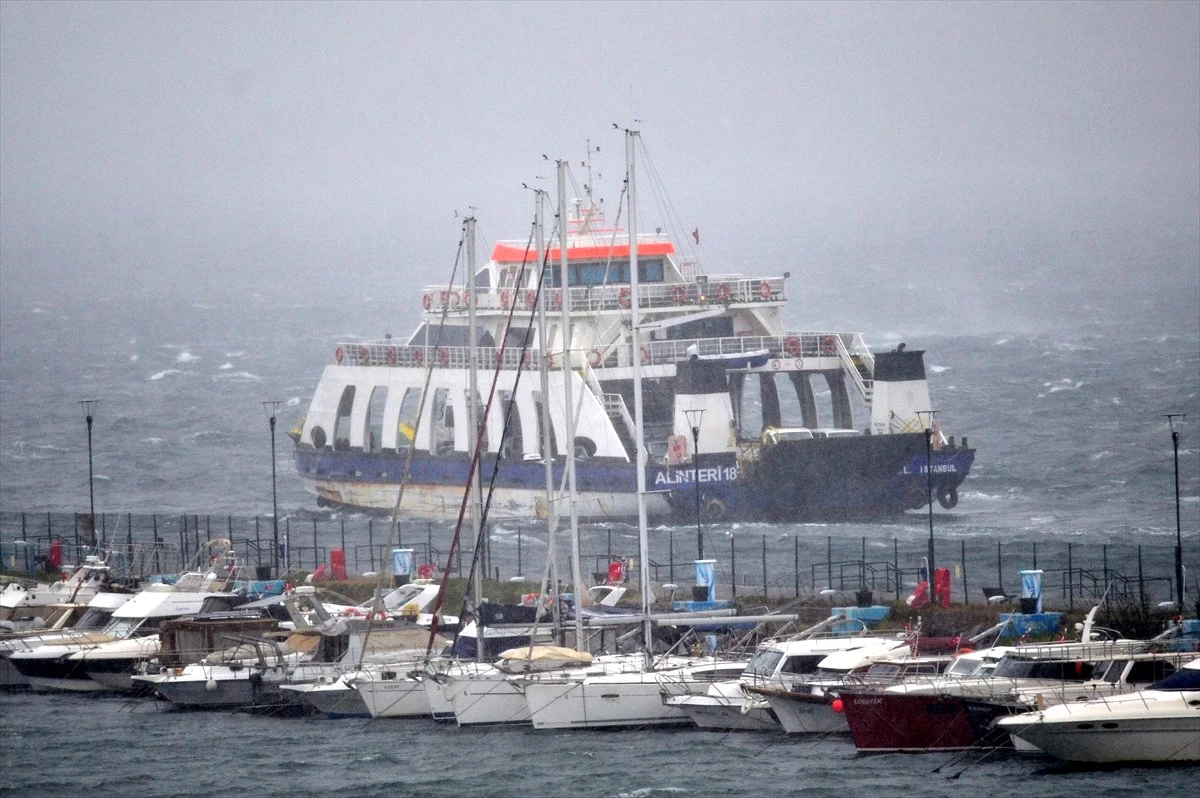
(225, 366)
(938, 369)
(293, 402)
(165, 373)
(237, 376)
(186, 357)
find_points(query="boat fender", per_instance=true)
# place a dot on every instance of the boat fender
(792, 346)
(506, 299)
(623, 297)
(828, 345)
(594, 357)
(339, 354)
(724, 294)
(678, 293)
(948, 497)
(764, 290)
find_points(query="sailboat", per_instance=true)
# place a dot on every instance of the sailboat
(626, 692)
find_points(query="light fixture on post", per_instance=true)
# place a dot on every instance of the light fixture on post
(89, 410)
(272, 407)
(694, 417)
(1176, 428)
(929, 485)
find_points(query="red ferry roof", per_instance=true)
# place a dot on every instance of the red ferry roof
(506, 253)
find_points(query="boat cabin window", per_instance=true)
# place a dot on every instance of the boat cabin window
(605, 272)
(1075, 671)
(512, 444)
(407, 424)
(341, 427)
(443, 422)
(1146, 671)
(373, 423)
(802, 664)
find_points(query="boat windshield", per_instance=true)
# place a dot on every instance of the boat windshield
(93, 618)
(763, 664)
(122, 628)
(1073, 671)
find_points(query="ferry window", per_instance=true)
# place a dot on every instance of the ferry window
(341, 428)
(650, 271)
(594, 274)
(373, 423)
(512, 445)
(407, 424)
(443, 427)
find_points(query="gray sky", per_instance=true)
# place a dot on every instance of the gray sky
(973, 144)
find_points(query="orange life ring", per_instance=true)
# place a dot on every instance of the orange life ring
(455, 299)
(828, 345)
(558, 299)
(444, 296)
(339, 354)
(531, 299)
(724, 294)
(364, 356)
(645, 355)
(391, 355)
(623, 297)
(594, 357)
(764, 291)
(427, 301)
(418, 356)
(526, 359)
(443, 355)
(792, 346)
(678, 293)
(506, 299)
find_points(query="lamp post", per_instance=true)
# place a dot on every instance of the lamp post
(1176, 428)
(694, 417)
(929, 486)
(89, 409)
(272, 407)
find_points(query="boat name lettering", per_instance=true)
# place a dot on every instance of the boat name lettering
(687, 475)
(941, 468)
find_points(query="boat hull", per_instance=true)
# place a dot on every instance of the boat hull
(888, 722)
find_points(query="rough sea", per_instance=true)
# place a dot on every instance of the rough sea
(1066, 414)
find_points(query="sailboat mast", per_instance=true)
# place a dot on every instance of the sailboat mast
(476, 504)
(539, 234)
(568, 396)
(636, 348)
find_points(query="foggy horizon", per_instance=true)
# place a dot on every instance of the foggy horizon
(976, 165)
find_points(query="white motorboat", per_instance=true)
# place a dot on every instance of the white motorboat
(778, 665)
(22, 601)
(1159, 724)
(87, 629)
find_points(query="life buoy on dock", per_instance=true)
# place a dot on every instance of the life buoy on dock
(828, 345)
(339, 354)
(391, 355)
(792, 346)
(678, 293)
(724, 294)
(594, 357)
(506, 299)
(764, 290)
(623, 297)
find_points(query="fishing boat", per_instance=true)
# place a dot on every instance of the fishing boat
(711, 348)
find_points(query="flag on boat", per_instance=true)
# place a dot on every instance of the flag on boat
(696, 235)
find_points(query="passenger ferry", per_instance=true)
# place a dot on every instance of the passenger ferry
(714, 356)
